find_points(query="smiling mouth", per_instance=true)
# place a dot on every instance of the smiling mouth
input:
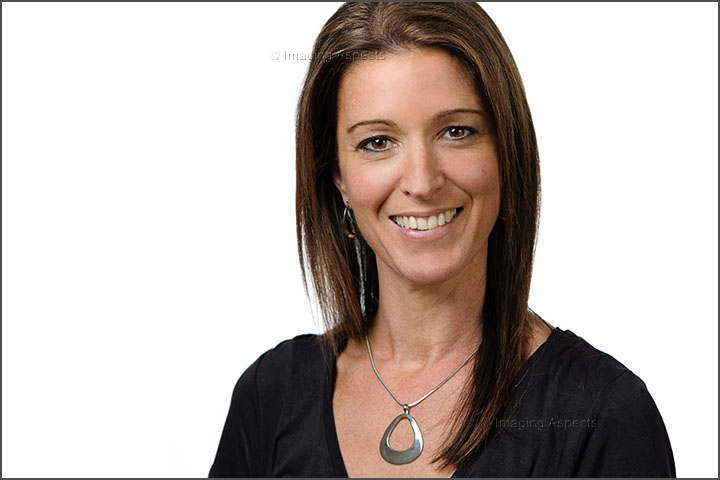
(426, 223)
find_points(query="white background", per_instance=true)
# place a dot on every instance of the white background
(148, 237)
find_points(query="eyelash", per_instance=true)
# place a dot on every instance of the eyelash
(364, 144)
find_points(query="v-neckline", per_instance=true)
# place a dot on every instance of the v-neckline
(333, 443)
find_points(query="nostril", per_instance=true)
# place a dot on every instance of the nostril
(421, 181)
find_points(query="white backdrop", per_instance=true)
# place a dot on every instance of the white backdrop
(148, 237)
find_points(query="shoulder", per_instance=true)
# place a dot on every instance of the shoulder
(289, 362)
(572, 378)
(282, 381)
(621, 430)
(569, 374)
(585, 380)
(574, 370)
(292, 370)
(301, 347)
(280, 371)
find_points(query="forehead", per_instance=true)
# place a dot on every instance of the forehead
(412, 84)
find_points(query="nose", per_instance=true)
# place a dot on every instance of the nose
(422, 175)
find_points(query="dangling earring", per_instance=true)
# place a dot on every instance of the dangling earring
(350, 228)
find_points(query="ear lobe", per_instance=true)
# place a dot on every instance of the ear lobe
(340, 184)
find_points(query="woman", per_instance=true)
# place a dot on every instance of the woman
(417, 207)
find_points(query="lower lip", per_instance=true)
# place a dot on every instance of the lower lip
(425, 235)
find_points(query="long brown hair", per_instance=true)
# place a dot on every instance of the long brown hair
(343, 271)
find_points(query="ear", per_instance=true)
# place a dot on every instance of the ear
(340, 184)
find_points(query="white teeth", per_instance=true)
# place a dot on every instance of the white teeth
(425, 223)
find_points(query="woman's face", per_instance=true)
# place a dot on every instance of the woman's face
(418, 163)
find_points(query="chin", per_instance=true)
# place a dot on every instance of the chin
(430, 275)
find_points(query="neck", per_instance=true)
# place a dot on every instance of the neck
(416, 324)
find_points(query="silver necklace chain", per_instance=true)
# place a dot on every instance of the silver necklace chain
(407, 406)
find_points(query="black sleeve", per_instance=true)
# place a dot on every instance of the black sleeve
(240, 442)
(627, 437)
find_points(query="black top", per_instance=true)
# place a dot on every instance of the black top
(579, 413)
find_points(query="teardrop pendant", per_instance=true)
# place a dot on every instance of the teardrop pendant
(401, 457)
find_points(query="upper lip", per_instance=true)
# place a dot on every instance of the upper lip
(429, 213)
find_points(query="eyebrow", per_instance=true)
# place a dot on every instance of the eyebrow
(458, 110)
(437, 116)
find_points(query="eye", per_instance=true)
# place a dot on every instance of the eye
(376, 144)
(458, 132)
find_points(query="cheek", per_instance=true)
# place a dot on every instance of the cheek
(369, 186)
(478, 175)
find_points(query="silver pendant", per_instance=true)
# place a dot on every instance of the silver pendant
(401, 457)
